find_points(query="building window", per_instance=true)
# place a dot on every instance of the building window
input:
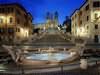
(1, 20)
(18, 12)
(87, 18)
(72, 18)
(87, 7)
(25, 24)
(25, 16)
(10, 20)
(2, 30)
(81, 22)
(96, 26)
(80, 13)
(17, 30)
(87, 27)
(3, 10)
(10, 10)
(18, 21)
(96, 39)
(96, 15)
(0, 10)
(96, 4)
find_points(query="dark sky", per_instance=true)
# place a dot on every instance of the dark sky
(38, 8)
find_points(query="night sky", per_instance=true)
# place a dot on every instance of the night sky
(38, 8)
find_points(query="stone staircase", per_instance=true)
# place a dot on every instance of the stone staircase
(51, 40)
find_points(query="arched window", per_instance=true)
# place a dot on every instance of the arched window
(10, 20)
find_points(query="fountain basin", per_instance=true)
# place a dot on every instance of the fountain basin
(49, 58)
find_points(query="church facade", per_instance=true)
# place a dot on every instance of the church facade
(51, 21)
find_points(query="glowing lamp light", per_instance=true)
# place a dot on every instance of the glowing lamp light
(4, 18)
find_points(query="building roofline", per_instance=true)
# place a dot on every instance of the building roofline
(83, 4)
(79, 8)
(74, 12)
(17, 4)
(30, 14)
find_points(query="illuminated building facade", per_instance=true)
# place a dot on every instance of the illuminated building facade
(86, 21)
(15, 22)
